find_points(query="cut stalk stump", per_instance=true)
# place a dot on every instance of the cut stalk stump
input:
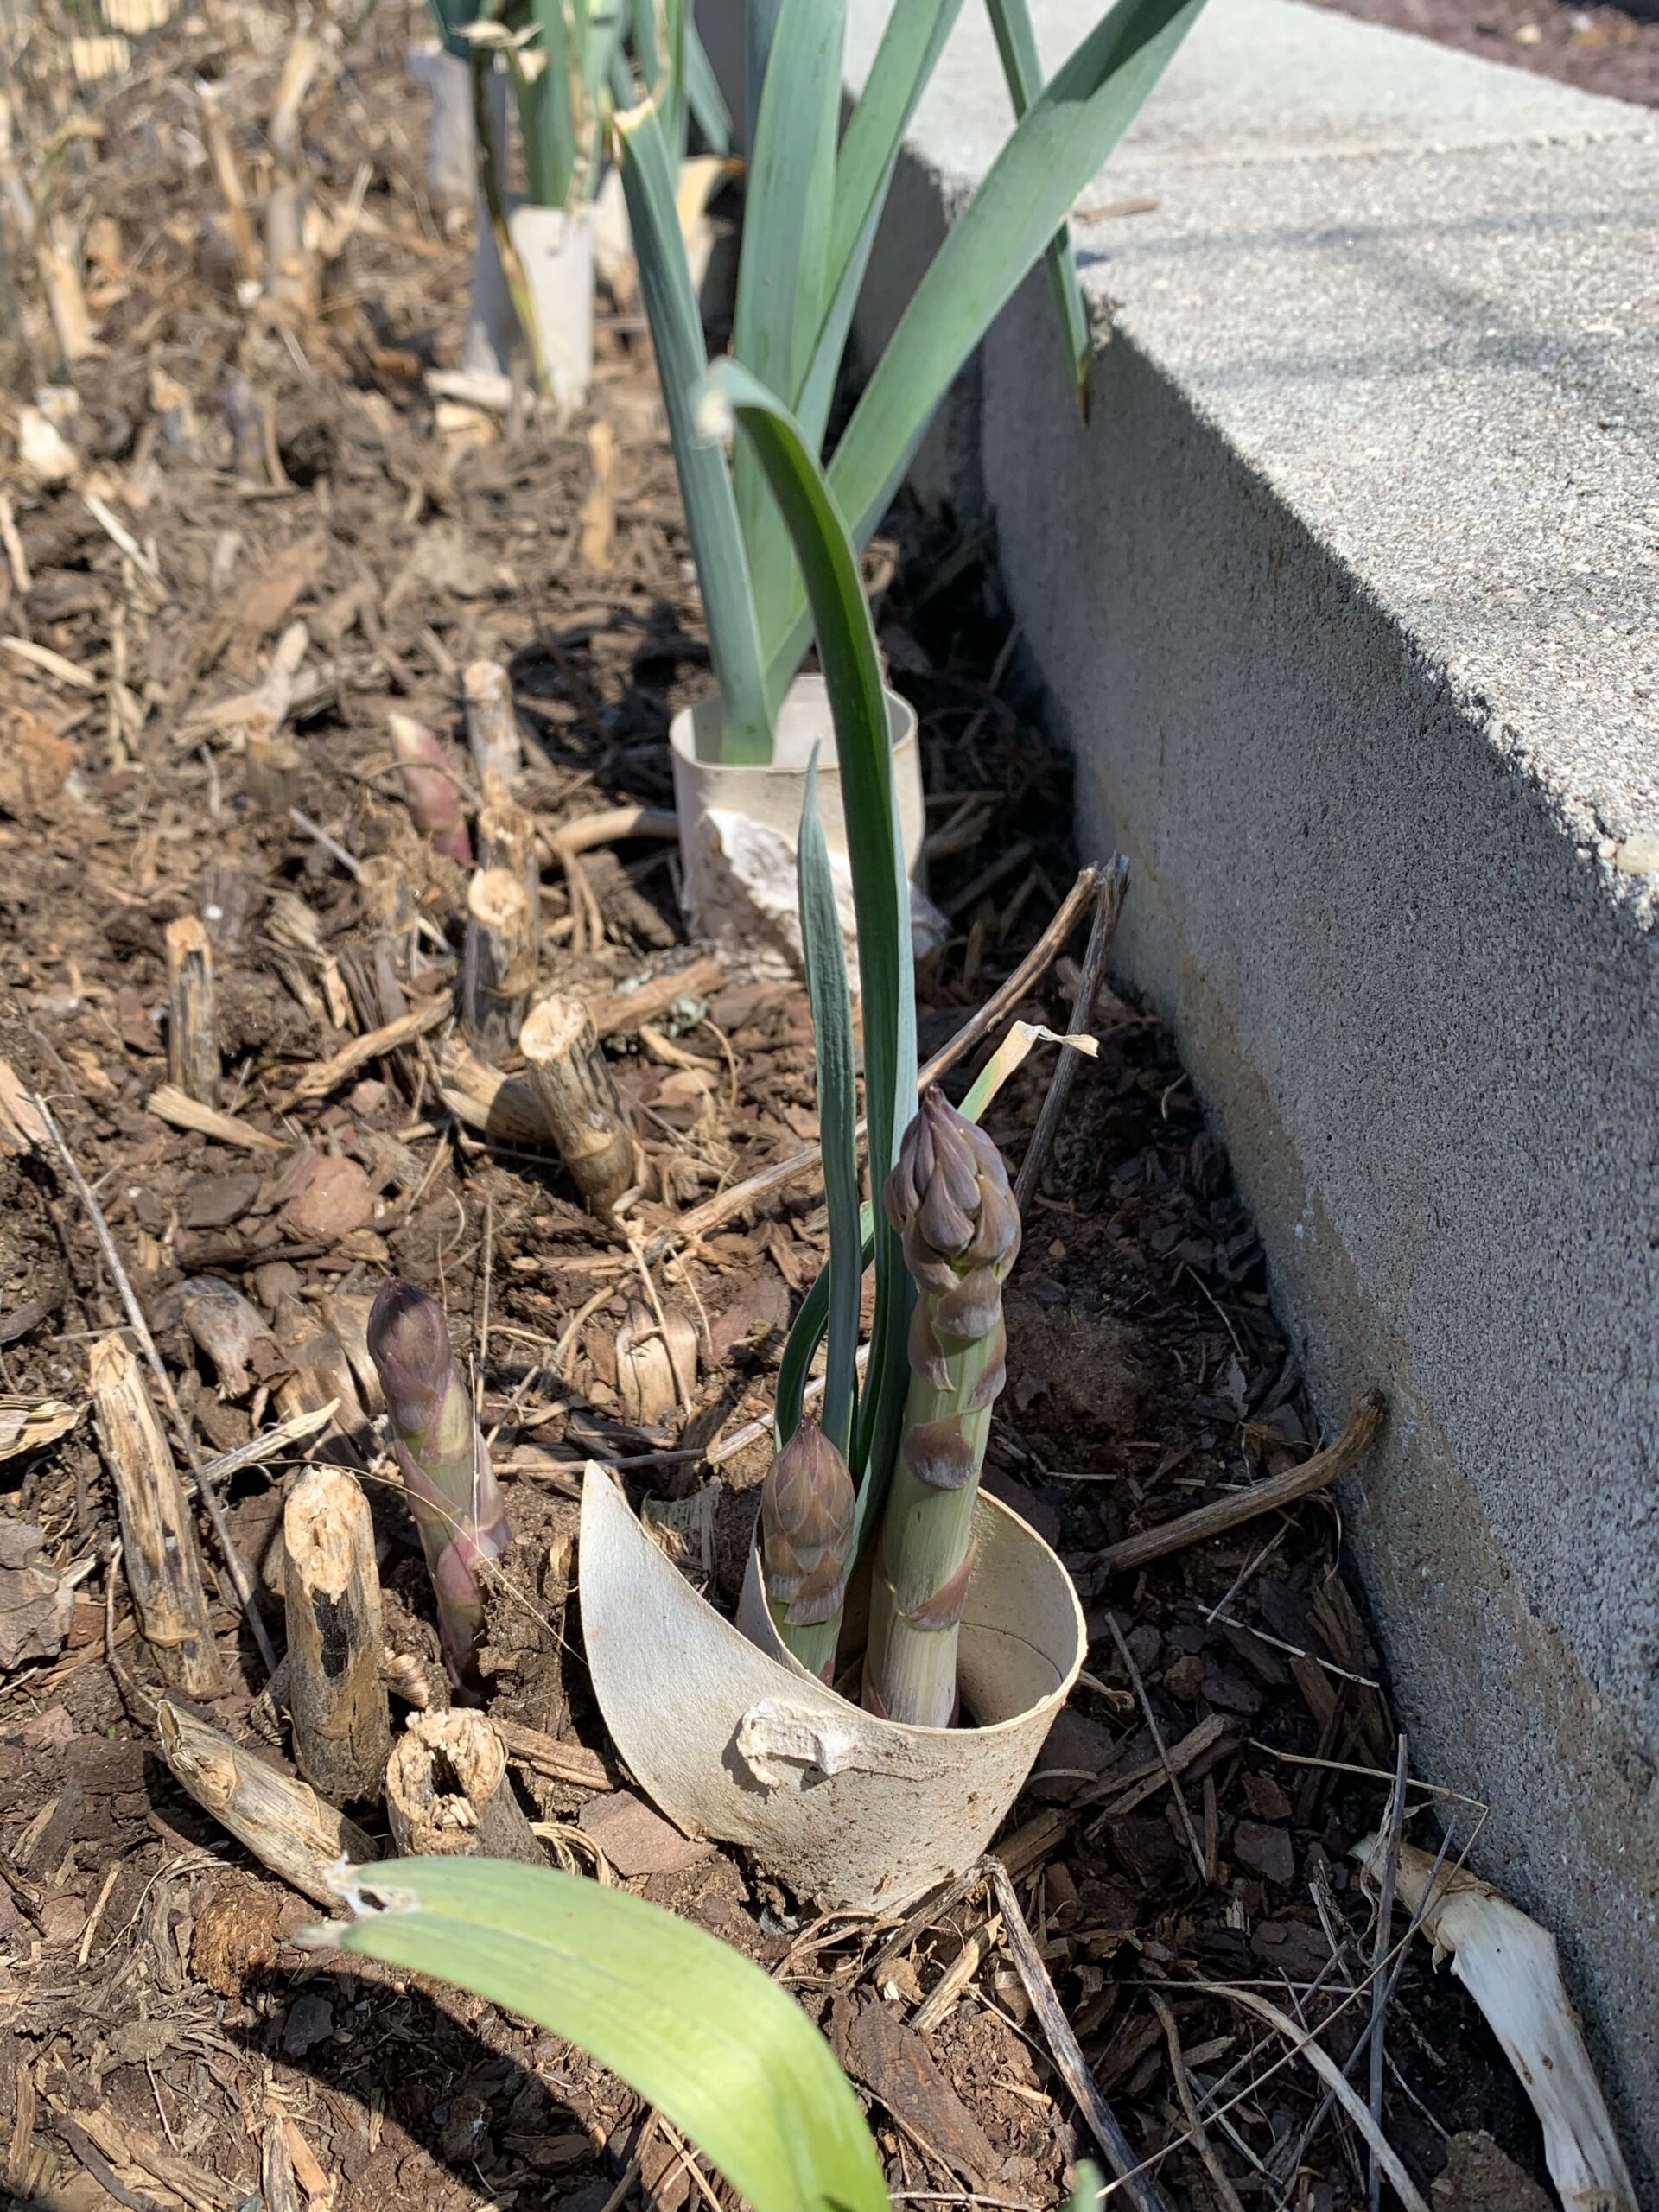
(500, 973)
(192, 1021)
(492, 730)
(579, 1097)
(449, 1793)
(337, 1698)
(158, 1544)
(506, 839)
(283, 1822)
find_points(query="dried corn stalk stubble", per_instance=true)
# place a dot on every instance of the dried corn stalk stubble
(443, 1460)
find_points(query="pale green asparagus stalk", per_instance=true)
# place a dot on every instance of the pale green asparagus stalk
(948, 1198)
(807, 1506)
(444, 1462)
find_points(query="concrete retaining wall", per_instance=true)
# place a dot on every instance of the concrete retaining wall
(1347, 601)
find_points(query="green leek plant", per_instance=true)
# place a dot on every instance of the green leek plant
(565, 61)
(814, 201)
(904, 1454)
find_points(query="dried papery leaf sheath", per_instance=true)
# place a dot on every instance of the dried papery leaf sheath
(948, 1198)
(807, 1507)
(442, 1458)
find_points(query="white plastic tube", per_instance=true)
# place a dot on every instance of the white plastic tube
(739, 824)
(733, 1739)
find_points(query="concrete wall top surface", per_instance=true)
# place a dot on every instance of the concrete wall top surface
(1421, 293)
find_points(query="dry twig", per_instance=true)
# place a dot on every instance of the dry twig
(1109, 904)
(1068, 2055)
(231, 1557)
(1315, 1474)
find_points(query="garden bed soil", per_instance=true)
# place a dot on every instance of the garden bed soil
(1599, 47)
(162, 2039)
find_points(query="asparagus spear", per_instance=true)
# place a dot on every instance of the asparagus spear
(807, 1505)
(948, 1198)
(445, 1466)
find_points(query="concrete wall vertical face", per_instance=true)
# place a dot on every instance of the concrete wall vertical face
(1430, 1044)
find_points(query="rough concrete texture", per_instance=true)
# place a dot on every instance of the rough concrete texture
(1347, 601)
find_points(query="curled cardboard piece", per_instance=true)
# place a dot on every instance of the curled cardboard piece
(733, 1739)
(740, 820)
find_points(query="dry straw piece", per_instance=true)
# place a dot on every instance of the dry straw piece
(1511, 1967)
(331, 1588)
(158, 1542)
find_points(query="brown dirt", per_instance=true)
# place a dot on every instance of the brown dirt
(153, 2009)
(1598, 48)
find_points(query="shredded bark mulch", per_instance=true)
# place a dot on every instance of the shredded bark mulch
(1190, 1827)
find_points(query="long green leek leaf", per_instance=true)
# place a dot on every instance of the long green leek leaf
(687, 2022)
(806, 1333)
(852, 671)
(1054, 151)
(709, 109)
(910, 45)
(1016, 44)
(825, 963)
(648, 180)
(450, 18)
(788, 210)
(759, 17)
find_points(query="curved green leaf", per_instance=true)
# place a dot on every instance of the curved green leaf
(648, 180)
(825, 963)
(1016, 45)
(709, 109)
(806, 1334)
(1054, 151)
(910, 44)
(688, 2023)
(852, 671)
(780, 275)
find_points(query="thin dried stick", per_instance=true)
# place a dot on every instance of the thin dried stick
(239, 1573)
(260, 1448)
(1127, 1657)
(163, 1563)
(325, 1076)
(1204, 2147)
(1317, 1474)
(1109, 904)
(714, 1211)
(1330, 2074)
(1379, 1955)
(1068, 2056)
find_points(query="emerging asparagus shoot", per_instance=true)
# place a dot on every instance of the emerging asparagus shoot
(442, 1456)
(948, 1198)
(807, 1505)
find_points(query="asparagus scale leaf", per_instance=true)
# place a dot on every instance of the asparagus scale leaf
(444, 1462)
(806, 1539)
(949, 1200)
